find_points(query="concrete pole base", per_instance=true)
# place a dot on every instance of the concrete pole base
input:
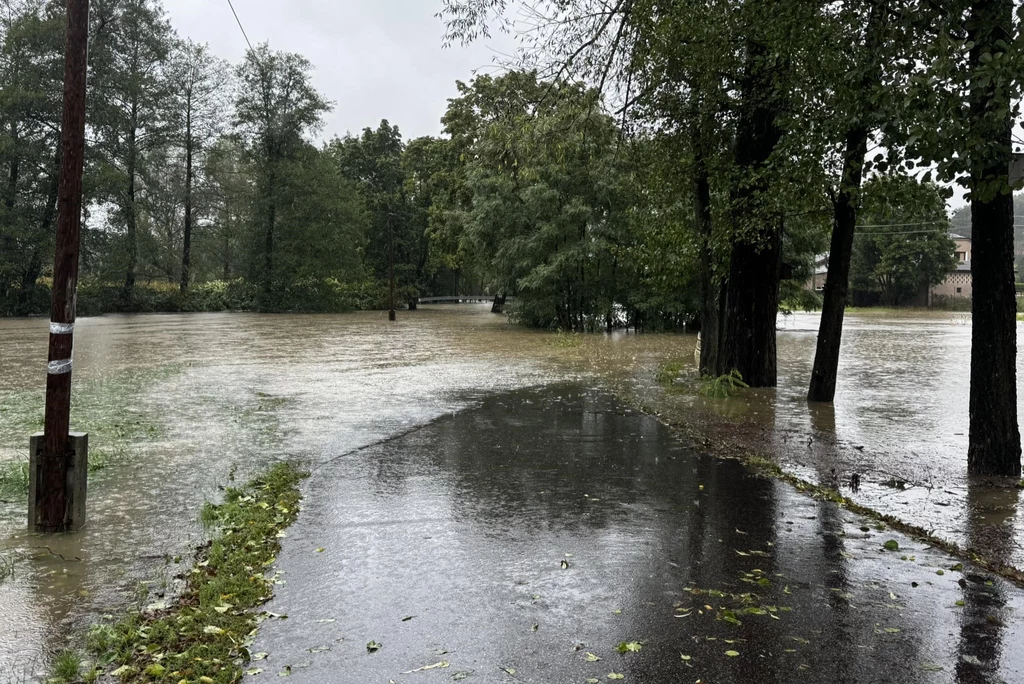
(78, 472)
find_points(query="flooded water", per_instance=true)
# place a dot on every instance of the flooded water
(177, 405)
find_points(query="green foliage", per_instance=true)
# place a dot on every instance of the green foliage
(205, 633)
(793, 296)
(549, 218)
(67, 667)
(669, 373)
(13, 479)
(724, 386)
(901, 261)
(566, 340)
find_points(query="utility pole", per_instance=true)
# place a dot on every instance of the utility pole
(57, 467)
(391, 265)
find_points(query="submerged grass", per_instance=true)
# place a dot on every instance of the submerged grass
(670, 372)
(204, 635)
(105, 408)
(13, 479)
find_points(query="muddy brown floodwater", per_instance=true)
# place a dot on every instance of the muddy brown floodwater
(178, 405)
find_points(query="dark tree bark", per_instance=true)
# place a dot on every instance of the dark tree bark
(35, 263)
(186, 247)
(994, 444)
(131, 218)
(752, 292)
(709, 332)
(268, 245)
(837, 282)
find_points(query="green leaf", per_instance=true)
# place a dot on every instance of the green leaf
(891, 545)
(373, 647)
(629, 647)
(732, 654)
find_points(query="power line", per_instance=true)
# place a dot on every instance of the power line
(900, 232)
(242, 28)
(899, 225)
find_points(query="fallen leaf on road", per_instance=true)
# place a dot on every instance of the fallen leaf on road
(443, 663)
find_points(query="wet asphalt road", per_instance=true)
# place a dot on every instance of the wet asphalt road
(524, 539)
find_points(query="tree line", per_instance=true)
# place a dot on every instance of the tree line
(772, 114)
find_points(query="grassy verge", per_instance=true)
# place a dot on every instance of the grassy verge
(204, 635)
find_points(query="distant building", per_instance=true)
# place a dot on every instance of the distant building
(820, 273)
(958, 283)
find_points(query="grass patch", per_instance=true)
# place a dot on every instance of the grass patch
(13, 479)
(566, 339)
(724, 386)
(6, 567)
(669, 373)
(67, 666)
(205, 634)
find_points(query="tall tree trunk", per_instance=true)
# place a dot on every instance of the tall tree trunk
(9, 244)
(752, 292)
(130, 213)
(994, 443)
(13, 171)
(186, 247)
(35, 264)
(837, 282)
(709, 322)
(268, 246)
(844, 222)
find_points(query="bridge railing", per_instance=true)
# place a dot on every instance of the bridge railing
(459, 299)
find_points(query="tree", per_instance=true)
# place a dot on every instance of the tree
(130, 109)
(903, 261)
(374, 162)
(275, 108)
(737, 65)
(31, 78)
(549, 206)
(964, 105)
(862, 117)
(197, 81)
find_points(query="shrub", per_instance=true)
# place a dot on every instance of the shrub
(724, 386)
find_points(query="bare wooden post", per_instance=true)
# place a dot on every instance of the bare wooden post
(52, 505)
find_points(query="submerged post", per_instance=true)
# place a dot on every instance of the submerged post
(57, 483)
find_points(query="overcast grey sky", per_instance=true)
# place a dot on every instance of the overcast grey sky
(376, 59)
